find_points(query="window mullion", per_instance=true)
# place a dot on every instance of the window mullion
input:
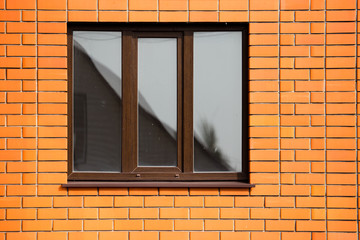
(188, 134)
(129, 92)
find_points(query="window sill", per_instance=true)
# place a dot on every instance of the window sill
(214, 184)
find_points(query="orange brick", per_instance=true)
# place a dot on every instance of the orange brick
(346, 4)
(112, 16)
(112, 5)
(233, 5)
(49, 190)
(279, 225)
(296, 190)
(83, 213)
(263, 5)
(21, 73)
(21, 235)
(305, 16)
(22, 4)
(263, 28)
(52, 109)
(144, 213)
(98, 201)
(305, 225)
(113, 235)
(20, 27)
(173, 191)
(52, 166)
(53, 143)
(188, 225)
(263, 108)
(82, 4)
(28, 16)
(309, 39)
(68, 202)
(219, 201)
(189, 201)
(83, 235)
(294, 28)
(249, 225)
(295, 213)
(294, 51)
(263, 51)
(21, 97)
(208, 16)
(142, 5)
(264, 167)
(338, 236)
(53, 39)
(342, 226)
(52, 213)
(265, 213)
(309, 179)
(204, 213)
(10, 226)
(293, 5)
(159, 201)
(10, 62)
(113, 213)
(51, 178)
(10, 202)
(20, 190)
(265, 235)
(264, 190)
(174, 213)
(52, 74)
(295, 236)
(21, 167)
(340, 39)
(158, 225)
(263, 74)
(233, 16)
(174, 235)
(137, 16)
(51, 5)
(271, 39)
(84, 16)
(343, 27)
(128, 225)
(144, 235)
(128, 201)
(52, 235)
(90, 225)
(37, 202)
(341, 202)
(67, 225)
(234, 213)
(20, 213)
(260, 16)
(219, 225)
(36, 225)
(264, 178)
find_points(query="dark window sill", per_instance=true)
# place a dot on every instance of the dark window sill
(214, 184)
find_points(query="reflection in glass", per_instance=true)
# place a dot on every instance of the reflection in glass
(217, 101)
(97, 101)
(157, 80)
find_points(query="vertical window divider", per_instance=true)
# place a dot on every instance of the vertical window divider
(188, 132)
(129, 93)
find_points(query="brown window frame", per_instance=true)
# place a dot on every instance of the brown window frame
(184, 171)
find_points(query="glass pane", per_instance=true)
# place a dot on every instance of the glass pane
(157, 79)
(97, 101)
(217, 101)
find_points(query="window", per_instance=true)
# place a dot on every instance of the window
(158, 102)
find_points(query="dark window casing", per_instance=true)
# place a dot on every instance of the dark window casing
(125, 147)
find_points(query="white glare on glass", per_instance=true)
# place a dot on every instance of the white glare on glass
(157, 118)
(217, 101)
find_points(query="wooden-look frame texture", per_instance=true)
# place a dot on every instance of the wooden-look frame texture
(184, 171)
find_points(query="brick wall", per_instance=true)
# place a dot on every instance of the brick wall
(303, 117)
